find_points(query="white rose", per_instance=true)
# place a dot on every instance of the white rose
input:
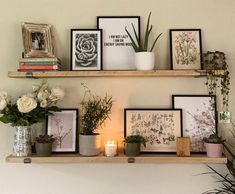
(26, 103)
(3, 95)
(3, 104)
(56, 94)
(43, 104)
(43, 95)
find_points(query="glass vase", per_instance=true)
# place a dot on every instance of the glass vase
(22, 141)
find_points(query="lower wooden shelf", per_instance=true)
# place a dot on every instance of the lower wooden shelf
(144, 158)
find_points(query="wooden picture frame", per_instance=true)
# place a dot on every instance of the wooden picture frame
(186, 49)
(160, 127)
(86, 49)
(117, 47)
(199, 118)
(64, 128)
(37, 40)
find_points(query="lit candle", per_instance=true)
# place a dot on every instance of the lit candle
(111, 148)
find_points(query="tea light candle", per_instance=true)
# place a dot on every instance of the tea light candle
(111, 148)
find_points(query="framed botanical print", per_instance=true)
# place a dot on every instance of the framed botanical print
(117, 48)
(86, 49)
(37, 40)
(186, 49)
(64, 127)
(160, 127)
(199, 118)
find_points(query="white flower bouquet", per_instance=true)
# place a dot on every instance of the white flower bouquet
(30, 108)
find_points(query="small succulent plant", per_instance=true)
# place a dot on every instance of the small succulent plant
(214, 138)
(45, 139)
(135, 139)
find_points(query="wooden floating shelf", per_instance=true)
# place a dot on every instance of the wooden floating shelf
(104, 73)
(151, 158)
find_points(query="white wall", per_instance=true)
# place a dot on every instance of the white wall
(216, 18)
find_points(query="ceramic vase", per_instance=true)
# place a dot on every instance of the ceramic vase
(144, 60)
(214, 150)
(132, 149)
(90, 145)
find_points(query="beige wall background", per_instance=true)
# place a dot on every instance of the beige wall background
(216, 18)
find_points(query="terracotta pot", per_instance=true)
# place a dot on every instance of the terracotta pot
(214, 150)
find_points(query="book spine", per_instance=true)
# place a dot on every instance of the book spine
(43, 67)
(40, 63)
(32, 70)
(38, 59)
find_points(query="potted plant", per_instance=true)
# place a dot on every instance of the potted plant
(144, 57)
(27, 110)
(133, 143)
(44, 145)
(214, 145)
(95, 110)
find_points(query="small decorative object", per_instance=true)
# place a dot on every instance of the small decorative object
(199, 118)
(118, 54)
(37, 39)
(44, 145)
(63, 126)
(29, 108)
(213, 61)
(132, 144)
(214, 145)
(110, 148)
(160, 127)
(144, 57)
(95, 110)
(183, 146)
(185, 48)
(86, 49)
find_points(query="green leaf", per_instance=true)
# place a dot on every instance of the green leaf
(147, 33)
(134, 45)
(155, 42)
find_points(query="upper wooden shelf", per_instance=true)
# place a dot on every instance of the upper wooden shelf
(144, 158)
(105, 73)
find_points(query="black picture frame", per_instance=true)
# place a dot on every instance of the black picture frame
(118, 53)
(90, 59)
(150, 123)
(191, 59)
(199, 118)
(54, 128)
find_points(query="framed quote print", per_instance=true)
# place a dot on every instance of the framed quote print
(86, 49)
(64, 127)
(118, 53)
(186, 49)
(160, 127)
(199, 118)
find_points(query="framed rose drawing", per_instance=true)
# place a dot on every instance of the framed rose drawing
(199, 118)
(186, 49)
(86, 49)
(117, 48)
(37, 40)
(160, 127)
(64, 127)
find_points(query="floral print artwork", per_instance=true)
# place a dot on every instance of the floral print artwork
(159, 127)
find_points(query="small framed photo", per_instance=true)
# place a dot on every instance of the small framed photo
(160, 127)
(117, 47)
(199, 118)
(64, 127)
(86, 49)
(186, 49)
(37, 40)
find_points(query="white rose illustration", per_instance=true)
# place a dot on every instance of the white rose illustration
(43, 95)
(26, 103)
(3, 104)
(43, 104)
(56, 94)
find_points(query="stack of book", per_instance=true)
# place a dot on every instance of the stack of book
(39, 64)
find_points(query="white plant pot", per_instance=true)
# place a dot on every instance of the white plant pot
(144, 60)
(89, 145)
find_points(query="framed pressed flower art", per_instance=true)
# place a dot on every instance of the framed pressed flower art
(160, 127)
(186, 49)
(86, 49)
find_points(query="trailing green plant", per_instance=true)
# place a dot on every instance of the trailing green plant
(45, 138)
(213, 61)
(137, 44)
(135, 139)
(95, 110)
(214, 138)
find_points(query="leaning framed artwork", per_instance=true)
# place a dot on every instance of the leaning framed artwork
(160, 127)
(86, 49)
(199, 118)
(64, 127)
(117, 48)
(37, 40)
(186, 49)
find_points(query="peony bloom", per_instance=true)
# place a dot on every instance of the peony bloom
(26, 103)
(3, 104)
(56, 94)
(43, 104)
(43, 95)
